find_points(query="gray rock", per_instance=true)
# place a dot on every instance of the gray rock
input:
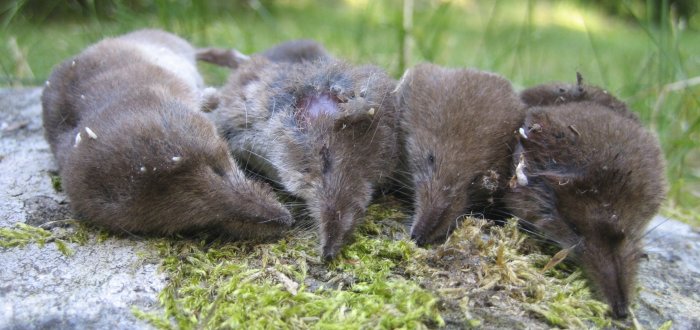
(670, 278)
(42, 288)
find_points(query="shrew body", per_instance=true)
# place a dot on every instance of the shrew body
(135, 154)
(457, 130)
(323, 129)
(589, 176)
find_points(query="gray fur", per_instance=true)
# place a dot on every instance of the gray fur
(324, 130)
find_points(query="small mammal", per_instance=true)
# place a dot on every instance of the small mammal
(323, 129)
(457, 129)
(134, 152)
(590, 177)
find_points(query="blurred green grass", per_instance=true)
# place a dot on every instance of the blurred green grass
(530, 42)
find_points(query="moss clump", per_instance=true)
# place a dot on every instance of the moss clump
(56, 182)
(284, 284)
(666, 326)
(484, 265)
(483, 275)
(22, 235)
(71, 231)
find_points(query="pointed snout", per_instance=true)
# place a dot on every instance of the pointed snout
(328, 252)
(611, 269)
(336, 228)
(438, 209)
(426, 223)
(257, 202)
(620, 309)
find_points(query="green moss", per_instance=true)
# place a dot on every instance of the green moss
(505, 265)
(56, 182)
(22, 235)
(231, 285)
(78, 232)
(102, 235)
(63, 247)
(381, 280)
(666, 326)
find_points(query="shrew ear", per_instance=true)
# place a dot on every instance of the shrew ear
(547, 134)
(545, 149)
(537, 126)
(403, 89)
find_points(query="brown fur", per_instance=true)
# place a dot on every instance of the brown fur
(595, 179)
(559, 93)
(322, 129)
(156, 165)
(457, 127)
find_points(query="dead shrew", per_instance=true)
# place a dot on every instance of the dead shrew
(589, 176)
(457, 127)
(323, 129)
(134, 152)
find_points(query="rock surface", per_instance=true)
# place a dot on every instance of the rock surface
(670, 278)
(98, 286)
(41, 288)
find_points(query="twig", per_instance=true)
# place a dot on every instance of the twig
(290, 285)
(22, 68)
(406, 35)
(672, 87)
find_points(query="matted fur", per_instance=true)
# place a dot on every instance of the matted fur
(323, 129)
(595, 179)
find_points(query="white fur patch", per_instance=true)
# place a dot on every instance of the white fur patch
(175, 63)
(402, 81)
(520, 172)
(90, 133)
(240, 56)
(522, 133)
(78, 138)
(208, 92)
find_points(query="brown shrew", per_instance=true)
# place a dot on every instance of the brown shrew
(134, 151)
(588, 175)
(457, 132)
